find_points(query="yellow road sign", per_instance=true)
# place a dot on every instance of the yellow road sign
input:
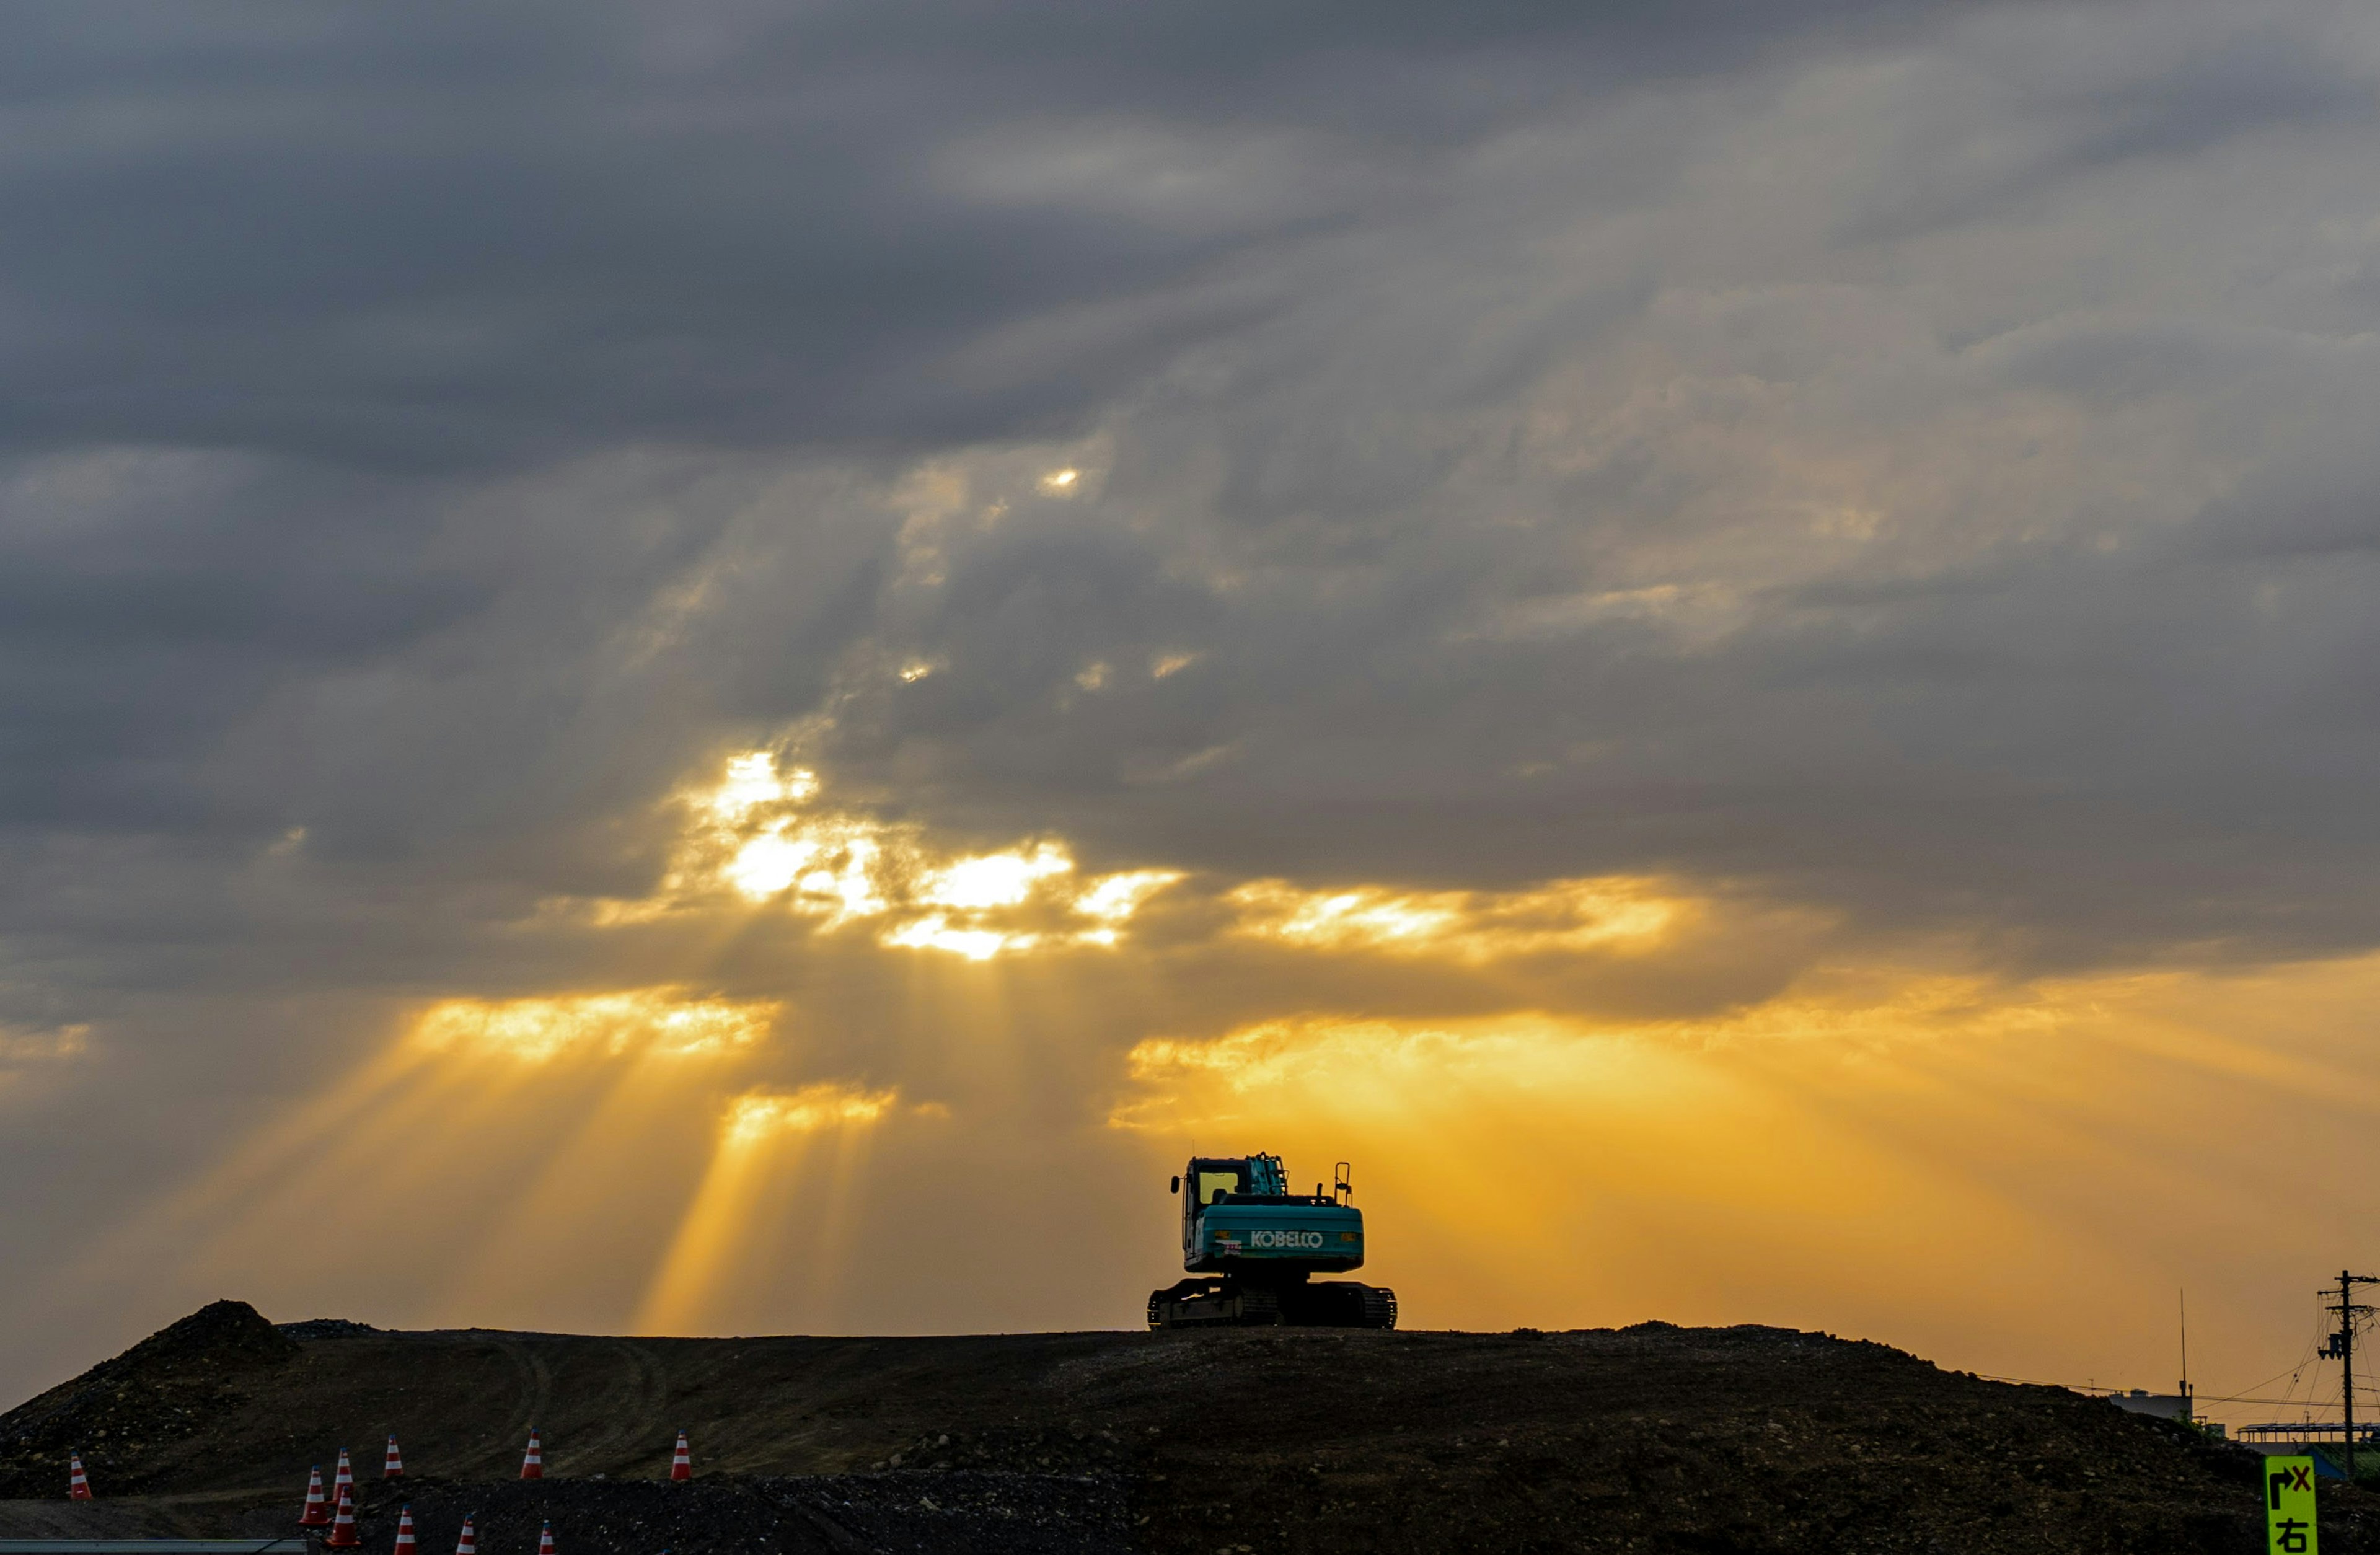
(2288, 1506)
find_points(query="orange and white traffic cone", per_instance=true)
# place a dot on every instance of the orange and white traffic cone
(468, 1544)
(318, 1509)
(393, 1466)
(533, 1461)
(343, 1524)
(343, 1481)
(78, 1484)
(682, 1465)
(405, 1545)
(545, 1541)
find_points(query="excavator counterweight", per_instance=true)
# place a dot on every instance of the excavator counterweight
(1252, 1247)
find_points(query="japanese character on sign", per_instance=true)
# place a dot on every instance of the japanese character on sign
(2288, 1506)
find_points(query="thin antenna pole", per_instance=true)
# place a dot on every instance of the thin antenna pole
(2182, 1299)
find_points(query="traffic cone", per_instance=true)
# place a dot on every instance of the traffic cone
(345, 1480)
(681, 1465)
(393, 1466)
(343, 1524)
(405, 1530)
(545, 1541)
(468, 1544)
(318, 1509)
(533, 1461)
(78, 1487)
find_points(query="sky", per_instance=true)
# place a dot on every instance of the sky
(733, 668)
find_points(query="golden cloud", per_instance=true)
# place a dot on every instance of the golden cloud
(55, 1044)
(1618, 912)
(761, 835)
(758, 1115)
(661, 1022)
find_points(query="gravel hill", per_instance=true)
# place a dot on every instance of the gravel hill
(1251, 1441)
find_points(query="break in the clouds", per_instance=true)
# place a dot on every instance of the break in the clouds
(981, 584)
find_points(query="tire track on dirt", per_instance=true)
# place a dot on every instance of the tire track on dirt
(533, 1399)
(615, 1428)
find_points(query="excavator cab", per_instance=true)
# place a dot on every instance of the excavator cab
(1212, 1179)
(1258, 1243)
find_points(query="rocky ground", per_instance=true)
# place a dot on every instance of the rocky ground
(1250, 1442)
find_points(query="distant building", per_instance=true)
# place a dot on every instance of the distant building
(2165, 1406)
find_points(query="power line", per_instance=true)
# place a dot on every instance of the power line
(2094, 1391)
(2323, 1345)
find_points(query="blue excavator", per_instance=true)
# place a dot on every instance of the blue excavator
(1252, 1247)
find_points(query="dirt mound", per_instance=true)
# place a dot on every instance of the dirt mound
(325, 1328)
(225, 1334)
(166, 1388)
(1248, 1440)
(1657, 1438)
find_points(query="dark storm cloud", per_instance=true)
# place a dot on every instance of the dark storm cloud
(292, 295)
(283, 286)
(2026, 701)
(473, 238)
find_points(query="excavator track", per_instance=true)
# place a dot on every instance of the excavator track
(1225, 1302)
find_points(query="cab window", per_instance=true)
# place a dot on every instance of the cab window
(1213, 1183)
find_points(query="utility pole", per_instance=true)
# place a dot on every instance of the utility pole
(2343, 1344)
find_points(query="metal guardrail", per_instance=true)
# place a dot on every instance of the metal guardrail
(153, 1546)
